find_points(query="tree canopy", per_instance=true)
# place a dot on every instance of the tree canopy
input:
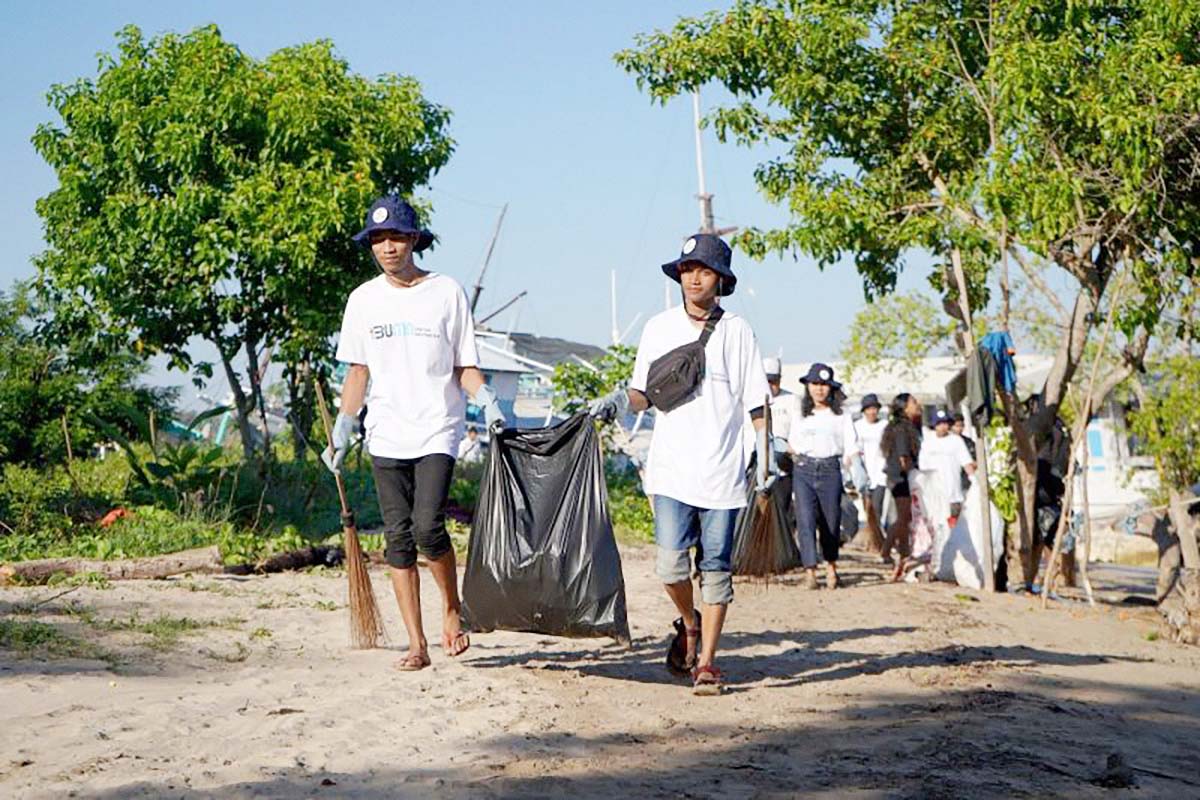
(205, 193)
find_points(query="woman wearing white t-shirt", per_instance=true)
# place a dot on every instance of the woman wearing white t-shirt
(821, 439)
(409, 333)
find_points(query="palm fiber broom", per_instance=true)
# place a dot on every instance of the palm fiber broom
(760, 554)
(366, 623)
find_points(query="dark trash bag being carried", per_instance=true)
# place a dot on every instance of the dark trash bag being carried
(542, 556)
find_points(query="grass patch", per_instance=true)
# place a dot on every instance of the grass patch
(325, 605)
(1152, 636)
(261, 633)
(33, 639)
(164, 631)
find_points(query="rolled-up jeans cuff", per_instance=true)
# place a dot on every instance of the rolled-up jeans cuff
(673, 566)
(716, 588)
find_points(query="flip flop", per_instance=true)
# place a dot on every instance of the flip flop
(707, 681)
(451, 644)
(414, 662)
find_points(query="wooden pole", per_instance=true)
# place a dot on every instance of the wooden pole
(985, 492)
(1087, 533)
(1081, 424)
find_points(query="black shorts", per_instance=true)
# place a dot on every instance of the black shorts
(899, 489)
(412, 498)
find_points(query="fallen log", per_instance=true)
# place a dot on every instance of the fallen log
(313, 556)
(203, 559)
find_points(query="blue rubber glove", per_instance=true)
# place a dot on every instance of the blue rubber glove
(611, 406)
(344, 430)
(486, 399)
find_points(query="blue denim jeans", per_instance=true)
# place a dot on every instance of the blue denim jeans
(817, 487)
(678, 527)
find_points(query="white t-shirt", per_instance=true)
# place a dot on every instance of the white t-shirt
(411, 340)
(696, 450)
(946, 456)
(470, 451)
(869, 436)
(781, 415)
(822, 434)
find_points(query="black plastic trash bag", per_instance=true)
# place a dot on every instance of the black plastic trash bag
(765, 544)
(542, 556)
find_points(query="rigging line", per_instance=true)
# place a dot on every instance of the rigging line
(467, 200)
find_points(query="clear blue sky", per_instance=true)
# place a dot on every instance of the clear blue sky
(596, 177)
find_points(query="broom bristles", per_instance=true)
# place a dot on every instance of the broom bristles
(366, 623)
(761, 555)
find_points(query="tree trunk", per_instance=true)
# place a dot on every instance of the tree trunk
(301, 413)
(242, 404)
(1179, 572)
(204, 559)
(257, 400)
(1025, 549)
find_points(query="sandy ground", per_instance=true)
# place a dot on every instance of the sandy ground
(874, 690)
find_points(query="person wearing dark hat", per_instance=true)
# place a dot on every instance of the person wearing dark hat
(947, 455)
(409, 336)
(822, 439)
(901, 447)
(870, 434)
(695, 469)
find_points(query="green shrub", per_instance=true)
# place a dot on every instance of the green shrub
(629, 508)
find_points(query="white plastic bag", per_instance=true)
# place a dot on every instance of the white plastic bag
(960, 558)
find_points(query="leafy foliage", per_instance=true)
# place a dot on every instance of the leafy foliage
(43, 385)
(907, 327)
(577, 384)
(1168, 423)
(204, 193)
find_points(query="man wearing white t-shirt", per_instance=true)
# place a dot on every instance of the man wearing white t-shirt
(946, 454)
(408, 335)
(870, 434)
(695, 470)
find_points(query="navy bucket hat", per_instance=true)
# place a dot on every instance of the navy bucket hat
(390, 213)
(942, 416)
(821, 373)
(871, 401)
(709, 250)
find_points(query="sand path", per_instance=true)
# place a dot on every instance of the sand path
(874, 690)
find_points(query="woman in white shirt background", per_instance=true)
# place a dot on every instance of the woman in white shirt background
(821, 439)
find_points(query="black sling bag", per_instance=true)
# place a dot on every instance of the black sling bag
(675, 375)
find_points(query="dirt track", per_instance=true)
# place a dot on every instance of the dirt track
(874, 690)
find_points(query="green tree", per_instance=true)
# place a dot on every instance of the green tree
(50, 397)
(205, 194)
(1044, 132)
(906, 327)
(1168, 424)
(577, 384)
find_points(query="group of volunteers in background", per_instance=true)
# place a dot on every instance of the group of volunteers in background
(409, 340)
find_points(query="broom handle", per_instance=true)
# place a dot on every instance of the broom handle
(337, 476)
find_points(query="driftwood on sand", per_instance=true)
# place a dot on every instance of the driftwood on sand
(203, 559)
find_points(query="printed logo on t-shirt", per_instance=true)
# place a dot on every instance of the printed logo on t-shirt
(403, 329)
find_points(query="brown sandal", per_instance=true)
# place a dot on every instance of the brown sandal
(450, 644)
(681, 659)
(414, 662)
(707, 681)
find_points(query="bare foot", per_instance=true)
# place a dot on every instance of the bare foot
(831, 577)
(898, 571)
(454, 641)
